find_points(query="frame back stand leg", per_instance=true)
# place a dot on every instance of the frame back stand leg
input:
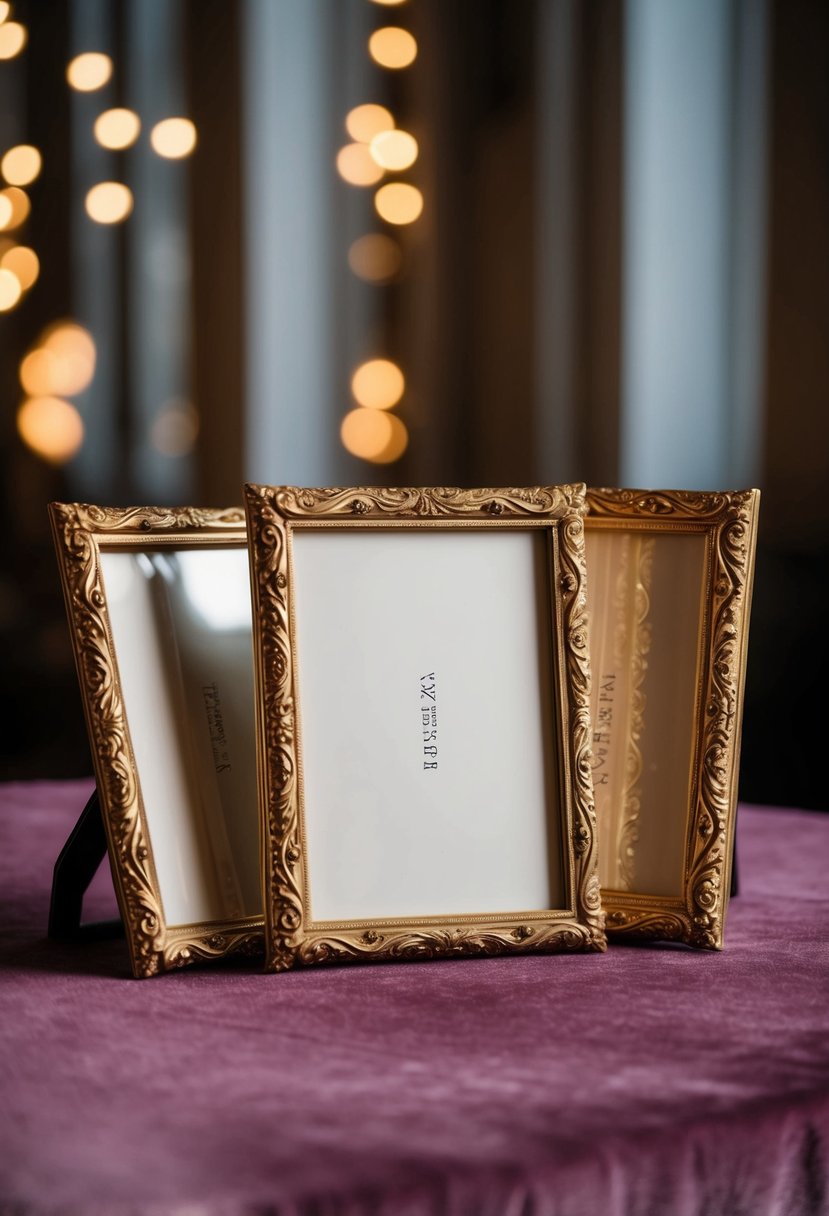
(75, 868)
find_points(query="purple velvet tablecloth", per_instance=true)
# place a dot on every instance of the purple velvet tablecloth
(644, 1081)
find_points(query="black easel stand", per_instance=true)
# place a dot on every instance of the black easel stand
(74, 870)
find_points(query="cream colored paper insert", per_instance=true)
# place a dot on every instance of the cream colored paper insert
(645, 593)
(426, 728)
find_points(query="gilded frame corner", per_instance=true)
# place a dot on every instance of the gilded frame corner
(729, 523)
(290, 937)
(80, 532)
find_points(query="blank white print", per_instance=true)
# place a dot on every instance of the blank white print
(426, 723)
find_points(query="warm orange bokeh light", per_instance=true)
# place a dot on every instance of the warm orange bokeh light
(16, 207)
(89, 71)
(390, 3)
(394, 150)
(356, 165)
(397, 444)
(13, 38)
(392, 47)
(378, 384)
(109, 202)
(366, 433)
(173, 138)
(52, 428)
(373, 435)
(22, 262)
(5, 9)
(364, 122)
(62, 364)
(398, 203)
(375, 258)
(118, 128)
(10, 289)
(21, 165)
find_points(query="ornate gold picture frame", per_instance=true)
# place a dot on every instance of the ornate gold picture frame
(409, 643)
(159, 612)
(669, 590)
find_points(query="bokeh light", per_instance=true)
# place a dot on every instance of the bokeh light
(109, 202)
(5, 9)
(52, 428)
(392, 47)
(397, 444)
(390, 3)
(118, 128)
(21, 165)
(22, 262)
(398, 203)
(364, 122)
(18, 206)
(356, 165)
(10, 289)
(174, 429)
(366, 433)
(373, 435)
(173, 138)
(74, 346)
(375, 258)
(13, 37)
(89, 71)
(378, 384)
(394, 149)
(62, 363)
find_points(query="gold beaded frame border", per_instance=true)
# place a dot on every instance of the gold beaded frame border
(290, 937)
(729, 522)
(80, 533)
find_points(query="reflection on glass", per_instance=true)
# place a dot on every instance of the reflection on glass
(181, 627)
(645, 597)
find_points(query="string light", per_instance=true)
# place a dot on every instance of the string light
(21, 165)
(394, 150)
(370, 432)
(173, 138)
(357, 166)
(364, 122)
(89, 71)
(378, 384)
(392, 47)
(118, 128)
(375, 258)
(398, 203)
(51, 427)
(13, 38)
(109, 202)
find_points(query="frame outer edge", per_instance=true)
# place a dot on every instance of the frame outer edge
(269, 511)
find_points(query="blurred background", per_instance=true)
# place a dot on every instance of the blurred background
(475, 242)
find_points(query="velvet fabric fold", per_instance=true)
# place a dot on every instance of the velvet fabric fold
(643, 1082)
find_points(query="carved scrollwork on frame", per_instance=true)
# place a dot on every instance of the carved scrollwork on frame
(79, 529)
(729, 521)
(271, 513)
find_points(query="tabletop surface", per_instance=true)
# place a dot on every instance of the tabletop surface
(647, 1080)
